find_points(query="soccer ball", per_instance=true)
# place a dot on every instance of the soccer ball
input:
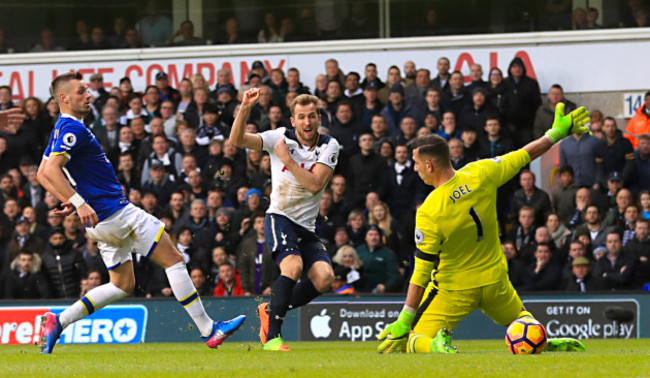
(526, 336)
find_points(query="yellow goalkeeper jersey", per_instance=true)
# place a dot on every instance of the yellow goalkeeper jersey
(457, 226)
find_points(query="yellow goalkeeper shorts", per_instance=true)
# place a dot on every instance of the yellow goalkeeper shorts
(442, 308)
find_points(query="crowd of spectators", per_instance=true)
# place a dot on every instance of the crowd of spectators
(170, 150)
(151, 25)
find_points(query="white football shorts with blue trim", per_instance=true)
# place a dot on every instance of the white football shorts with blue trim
(129, 230)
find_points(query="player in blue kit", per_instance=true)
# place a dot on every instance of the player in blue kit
(75, 169)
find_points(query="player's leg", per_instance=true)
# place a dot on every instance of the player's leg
(272, 314)
(503, 305)
(122, 282)
(438, 314)
(282, 240)
(320, 274)
(167, 256)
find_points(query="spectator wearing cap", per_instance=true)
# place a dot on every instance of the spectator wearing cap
(64, 267)
(639, 124)
(618, 155)
(158, 180)
(24, 279)
(544, 274)
(242, 216)
(457, 96)
(584, 153)
(582, 280)
(639, 249)
(97, 90)
(212, 127)
(476, 114)
(575, 249)
(396, 109)
(546, 112)
(379, 264)
(340, 283)
(642, 163)
(616, 215)
(415, 94)
(21, 238)
(226, 102)
(257, 269)
(520, 102)
(615, 268)
(166, 92)
(258, 68)
(371, 106)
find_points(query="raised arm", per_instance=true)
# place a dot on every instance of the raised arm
(238, 136)
(563, 125)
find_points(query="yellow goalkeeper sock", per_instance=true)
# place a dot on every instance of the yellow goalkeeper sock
(418, 344)
(525, 314)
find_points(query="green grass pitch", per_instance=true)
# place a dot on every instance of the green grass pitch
(604, 358)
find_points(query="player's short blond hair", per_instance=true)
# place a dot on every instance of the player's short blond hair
(302, 100)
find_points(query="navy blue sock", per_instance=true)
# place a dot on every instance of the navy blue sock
(303, 293)
(280, 298)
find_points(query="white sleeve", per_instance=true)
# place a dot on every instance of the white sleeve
(270, 138)
(330, 155)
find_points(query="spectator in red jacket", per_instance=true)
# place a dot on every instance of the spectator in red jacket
(640, 123)
(229, 284)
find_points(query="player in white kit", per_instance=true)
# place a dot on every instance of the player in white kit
(302, 163)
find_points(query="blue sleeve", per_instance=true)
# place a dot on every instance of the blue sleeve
(70, 139)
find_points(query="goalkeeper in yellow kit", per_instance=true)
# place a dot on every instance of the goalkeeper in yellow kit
(459, 264)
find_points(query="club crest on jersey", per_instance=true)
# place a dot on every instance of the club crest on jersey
(419, 236)
(70, 139)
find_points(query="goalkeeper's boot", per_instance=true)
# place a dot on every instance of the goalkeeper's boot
(564, 345)
(276, 345)
(221, 331)
(264, 320)
(50, 332)
(442, 342)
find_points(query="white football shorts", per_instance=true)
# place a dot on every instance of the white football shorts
(129, 230)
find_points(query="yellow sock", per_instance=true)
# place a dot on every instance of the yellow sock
(418, 344)
(525, 313)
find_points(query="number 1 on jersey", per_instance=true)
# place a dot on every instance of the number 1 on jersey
(477, 220)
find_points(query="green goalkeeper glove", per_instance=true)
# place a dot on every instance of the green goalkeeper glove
(396, 334)
(572, 123)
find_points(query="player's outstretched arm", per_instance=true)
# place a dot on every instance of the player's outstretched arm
(563, 125)
(238, 136)
(50, 175)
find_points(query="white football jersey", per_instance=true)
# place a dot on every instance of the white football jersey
(288, 197)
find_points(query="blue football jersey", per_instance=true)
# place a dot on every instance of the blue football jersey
(88, 169)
